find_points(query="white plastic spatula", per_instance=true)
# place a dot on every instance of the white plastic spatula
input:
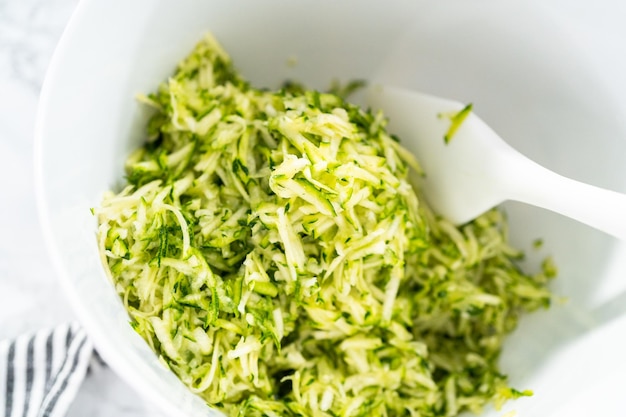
(476, 170)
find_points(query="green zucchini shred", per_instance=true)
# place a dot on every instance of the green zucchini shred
(270, 248)
(456, 120)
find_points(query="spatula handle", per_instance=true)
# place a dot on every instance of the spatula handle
(597, 207)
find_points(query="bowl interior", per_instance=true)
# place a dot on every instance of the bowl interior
(535, 88)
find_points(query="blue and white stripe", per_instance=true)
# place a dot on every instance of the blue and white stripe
(41, 373)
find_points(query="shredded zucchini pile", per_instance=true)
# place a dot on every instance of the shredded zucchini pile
(270, 248)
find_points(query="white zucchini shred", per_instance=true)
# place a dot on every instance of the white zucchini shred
(270, 248)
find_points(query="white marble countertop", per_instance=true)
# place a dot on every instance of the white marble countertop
(30, 298)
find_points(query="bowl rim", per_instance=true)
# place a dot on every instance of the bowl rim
(100, 341)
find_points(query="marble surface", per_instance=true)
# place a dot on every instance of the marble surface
(30, 297)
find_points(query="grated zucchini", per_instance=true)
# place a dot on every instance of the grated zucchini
(270, 249)
(456, 120)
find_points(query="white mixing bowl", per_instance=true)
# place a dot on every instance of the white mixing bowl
(547, 77)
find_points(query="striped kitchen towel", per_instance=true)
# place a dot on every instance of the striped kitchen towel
(40, 373)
